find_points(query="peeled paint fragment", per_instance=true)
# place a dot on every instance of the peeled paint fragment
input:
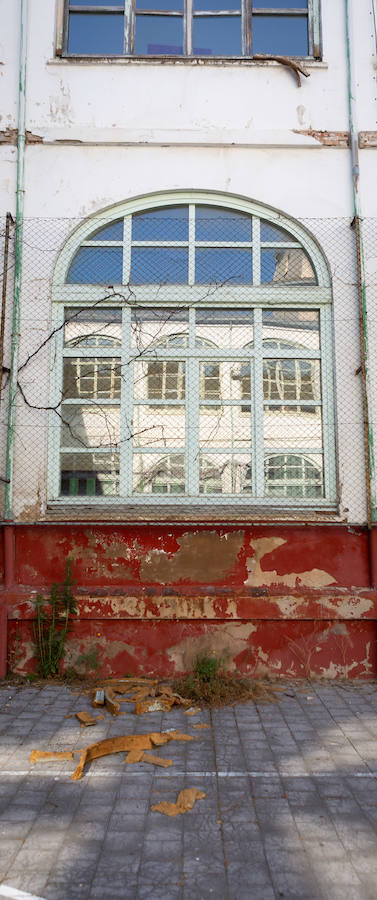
(42, 755)
(134, 756)
(185, 801)
(108, 746)
(200, 726)
(111, 702)
(193, 711)
(154, 704)
(85, 719)
(157, 760)
(99, 697)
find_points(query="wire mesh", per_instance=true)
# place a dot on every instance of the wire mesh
(189, 357)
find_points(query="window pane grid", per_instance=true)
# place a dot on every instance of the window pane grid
(122, 29)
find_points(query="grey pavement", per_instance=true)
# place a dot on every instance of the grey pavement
(290, 807)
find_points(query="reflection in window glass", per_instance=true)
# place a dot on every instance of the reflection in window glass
(112, 232)
(289, 475)
(272, 233)
(176, 5)
(90, 426)
(289, 328)
(92, 378)
(168, 224)
(291, 379)
(222, 266)
(214, 224)
(153, 474)
(286, 266)
(96, 265)
(159, 35)
(227, 473)
(92, 327)
(280, 4)
(164, 265)
(164, 327)
(89, 474)
(282, 35)
(162, 426)
(225, 328)
(217, 36)
(97, 34)
(216, 5)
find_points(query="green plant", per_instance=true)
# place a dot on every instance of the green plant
(52, 623)
(84, 666)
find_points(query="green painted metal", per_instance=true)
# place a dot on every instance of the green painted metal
(9, 465)
(362, 288)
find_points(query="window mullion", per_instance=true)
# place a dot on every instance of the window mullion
(328, 424)
(55, 424)
(246, 27)
(256, 251)
(128, 26)
(127, 235)
(188, 27)
(191, 249)
(192, 414)
(126, 401)
(258, 425)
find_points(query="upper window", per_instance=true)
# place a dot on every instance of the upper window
(200, 28)
(196, 360)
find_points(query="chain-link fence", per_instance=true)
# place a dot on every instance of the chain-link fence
(189, 357)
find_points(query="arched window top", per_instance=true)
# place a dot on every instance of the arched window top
(195, 239)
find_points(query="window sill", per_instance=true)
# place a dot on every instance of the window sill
(308, 62)
(159, 514)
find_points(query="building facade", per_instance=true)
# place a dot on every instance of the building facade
(189, 280)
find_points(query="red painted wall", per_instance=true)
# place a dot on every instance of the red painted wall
(284, 599)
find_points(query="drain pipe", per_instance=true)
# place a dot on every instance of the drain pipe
(9, 471)
(9, 463)
(361, 291)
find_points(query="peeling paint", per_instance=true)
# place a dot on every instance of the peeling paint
(314, 578)
(339, 139)
(225, 642)
(203, 557)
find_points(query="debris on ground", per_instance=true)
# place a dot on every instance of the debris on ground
(146, 694)
(156, 760)
(193, 711)
(85, 719)
(39, 755)
(134, 742)
(185, 801)
(201, 726)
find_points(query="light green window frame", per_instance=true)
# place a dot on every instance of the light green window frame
(245, 465)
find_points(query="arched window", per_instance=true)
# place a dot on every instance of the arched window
(195, 334)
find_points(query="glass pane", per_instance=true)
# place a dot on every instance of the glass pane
(280, 4)
(160, 379)
(272, 233)
(225, 426)
(290, 428)
(112, 232)
(89, 474)
(159, 36)
(159, 327)
(292, 379)
(154, 474)
(96, 3)
(285, 329)
(96, 34)
(159, 265)
(168, 224)
(226, 328)
(176, 5)
(214, 224)
(224, 381)
(208, 5)
(92, 327)
(92, 378)
(96, 265)
(217, 36)
(282, 35)
(290, 475)
(225, 474)
(159, 426)
(286, 267)
(90, 426)
(223, 266)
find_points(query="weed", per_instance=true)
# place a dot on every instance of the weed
(211, 684)
(52, 623)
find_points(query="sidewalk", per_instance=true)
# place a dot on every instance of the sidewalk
(290, 807)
